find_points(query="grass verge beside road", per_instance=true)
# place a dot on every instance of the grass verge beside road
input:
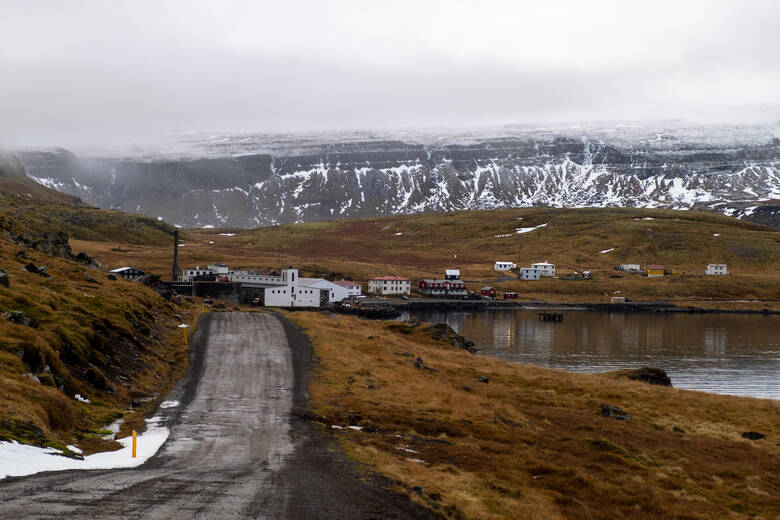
(473, 437)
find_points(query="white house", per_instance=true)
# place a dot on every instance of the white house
(545, 269)
(129, 273)
(389, 285)
(353, 288)
(504, 266)
(629, 267)
(530, 273)
(716, 269)
(452, 274)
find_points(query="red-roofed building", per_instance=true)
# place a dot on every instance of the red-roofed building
(488, 293)
(389, 285)
(438, 287)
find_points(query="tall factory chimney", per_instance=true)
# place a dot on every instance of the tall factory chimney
(175, 272)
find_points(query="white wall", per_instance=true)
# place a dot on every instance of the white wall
(336, 293)
(389, 286)
(530, 273)
(545, 269)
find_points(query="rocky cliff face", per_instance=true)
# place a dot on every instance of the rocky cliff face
(243, 186)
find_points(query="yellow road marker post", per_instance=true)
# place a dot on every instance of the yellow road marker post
(135, 443)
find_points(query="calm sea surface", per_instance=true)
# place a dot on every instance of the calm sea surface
(722, 353)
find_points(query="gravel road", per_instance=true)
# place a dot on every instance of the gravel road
(239, 447)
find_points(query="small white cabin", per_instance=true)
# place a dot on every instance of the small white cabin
(716, 269)
(629, 267)
(530, 273)
(128, 273)
(545, 268)
(504, 266)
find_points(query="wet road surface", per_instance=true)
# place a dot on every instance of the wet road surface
(238, 446)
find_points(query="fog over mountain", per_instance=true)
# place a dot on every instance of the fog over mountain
(236, 113)
(248, 180)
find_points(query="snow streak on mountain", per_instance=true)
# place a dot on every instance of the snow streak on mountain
(248, 181)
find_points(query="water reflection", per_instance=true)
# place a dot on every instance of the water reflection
(723, 353)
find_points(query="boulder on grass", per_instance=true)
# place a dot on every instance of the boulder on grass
(651, 375)
(20, 318)
(607, 410)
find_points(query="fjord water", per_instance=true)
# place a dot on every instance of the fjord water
(733, 354)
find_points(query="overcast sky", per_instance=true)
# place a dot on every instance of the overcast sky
(82, 71)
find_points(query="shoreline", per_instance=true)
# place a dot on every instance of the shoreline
(380, 308)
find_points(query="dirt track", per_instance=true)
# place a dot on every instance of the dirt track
(239, 447)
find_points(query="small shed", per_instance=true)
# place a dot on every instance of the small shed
(452, 274)
(655, 271)
(716, 270)
(488, 293)
(510, 295)
(128, 273)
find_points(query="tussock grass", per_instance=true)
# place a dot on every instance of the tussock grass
(531, 443)
(112, 342)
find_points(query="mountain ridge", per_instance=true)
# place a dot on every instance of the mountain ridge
(318, 180)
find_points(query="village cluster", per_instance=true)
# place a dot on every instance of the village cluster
(286, 288)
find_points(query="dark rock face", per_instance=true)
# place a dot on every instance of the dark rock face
(607, 410)
(87, 260)
(650, 375)
(729, 170)
(40, 270)
(753, 436)
(4, 281)
(21, 318)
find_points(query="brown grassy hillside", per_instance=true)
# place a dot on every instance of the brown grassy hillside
(44, 210)
(109, 341)
(424, 245)
(531, 442)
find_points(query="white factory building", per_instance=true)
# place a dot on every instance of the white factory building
(285, 290)
(337, 291)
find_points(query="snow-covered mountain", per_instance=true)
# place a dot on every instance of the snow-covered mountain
(255, 180)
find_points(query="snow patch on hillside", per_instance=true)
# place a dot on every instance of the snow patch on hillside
(18, 460)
